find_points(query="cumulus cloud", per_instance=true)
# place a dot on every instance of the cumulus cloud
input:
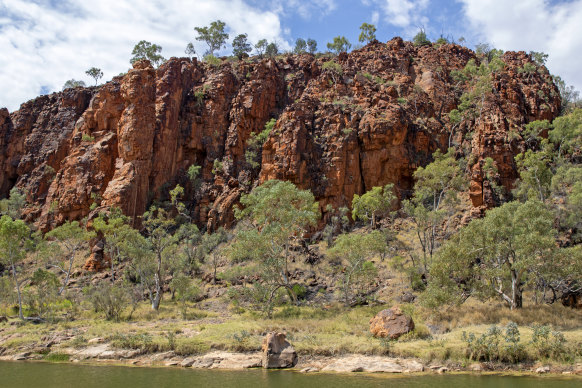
(46, 42)
(536, 25)
(406, 14)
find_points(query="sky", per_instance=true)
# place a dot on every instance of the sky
(44, 43)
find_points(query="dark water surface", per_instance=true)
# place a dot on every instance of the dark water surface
(22, 374)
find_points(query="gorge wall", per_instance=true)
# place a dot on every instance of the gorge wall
(338, 132)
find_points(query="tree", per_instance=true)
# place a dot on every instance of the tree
(370, 205)
(146, 50)
(435, 192)
(339, 44)
(311, 46)
(190, 50)
(498, 255)
(570, 96)
(94, 73)
(300, 46)
(114, 227)
(241, 47)
(272, 49)
(15, 241)
(368, 33)
(213, 35)
(210, 248)
(354, 250)
(73, 83)
(68, 239)
(158, 225)
(420, 39)
(275, 215)
(535, 175)
(186, 291)
(13, 205)
(261, 46)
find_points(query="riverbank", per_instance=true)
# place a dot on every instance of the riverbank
(331, 339)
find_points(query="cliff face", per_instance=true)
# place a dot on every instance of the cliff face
(372, 121)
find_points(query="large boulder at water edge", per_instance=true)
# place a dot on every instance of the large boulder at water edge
(278, 352)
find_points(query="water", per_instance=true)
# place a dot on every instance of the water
(22, 374)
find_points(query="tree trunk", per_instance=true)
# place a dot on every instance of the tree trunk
(68, 275)
(17, 284)
(158, 281)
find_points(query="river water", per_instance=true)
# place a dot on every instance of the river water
(45, 375)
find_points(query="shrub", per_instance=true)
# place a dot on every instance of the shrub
(87, 138)
(109, 299)
(212, 60)
(548, 343)
(56, 357)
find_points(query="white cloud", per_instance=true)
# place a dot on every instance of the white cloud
(375, 17)
(45, 43)
(533, 25)
(406, 14)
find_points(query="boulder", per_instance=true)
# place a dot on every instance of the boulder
(278, 352)
(391, 323)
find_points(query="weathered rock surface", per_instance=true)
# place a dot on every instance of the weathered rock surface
(126, 143)
(370, 364)
(391, 323)
(278, 352)
(226, 360)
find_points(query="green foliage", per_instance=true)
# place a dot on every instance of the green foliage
(535, 175)
(420, 39)
(548, 343)
(66, 241)
(489, 347)
(190, 50)
(570, 96)
(186, 290)
(73, 83)
(261, 46)
(373, 203)
(275, 215)
(311, 46)
(334, 69)
(300, 46)
(354, 250)
(212, 61)
(14, 204)
(566, 135)
(339, 44)
(496, 256)
(149, 51)
(217, 166)
(241, 47)
(94, 73)
(255, 143)
(367, 33)
(114, 227)
(15, 241)
(540, 58)
(272, 50)
(434, 199)
(213, 35)
(109, 299)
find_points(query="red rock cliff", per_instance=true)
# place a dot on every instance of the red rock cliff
(370, 122)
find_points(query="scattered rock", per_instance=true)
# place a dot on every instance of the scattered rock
(577, 369)
(543, 369)
(391, 323)
(278, 352)
(309, 369)
(442, 370)
(188, 362)
(476, 367)
(94, 341)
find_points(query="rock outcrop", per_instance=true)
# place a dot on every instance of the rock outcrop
(371, 119)
(278, 352)
(391, 323)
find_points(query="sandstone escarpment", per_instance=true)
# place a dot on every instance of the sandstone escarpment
(371, 120)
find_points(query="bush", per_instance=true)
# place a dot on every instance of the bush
(87, 138)
(109, 299)
(548, 343)
(56, 357)
(212, 60)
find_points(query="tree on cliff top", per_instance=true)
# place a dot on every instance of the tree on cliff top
(339, 44)
(149, 51)
(240, 46)
(73, 83)
(95, 73)
(368, 33)
(213, 35)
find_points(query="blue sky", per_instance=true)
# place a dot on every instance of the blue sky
(43, 43)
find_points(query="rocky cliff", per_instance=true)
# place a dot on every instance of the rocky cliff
(369, 118)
